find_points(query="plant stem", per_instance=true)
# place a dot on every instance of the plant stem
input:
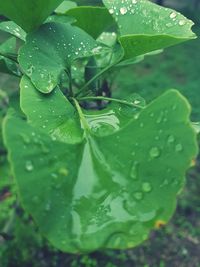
(94, 78)
(81, 115)
(69, 73)
(110, 99)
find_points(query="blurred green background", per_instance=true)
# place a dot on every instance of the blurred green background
(178, 243)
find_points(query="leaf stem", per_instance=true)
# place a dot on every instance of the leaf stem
(81, 115)
(94, 78)
(69, 73)
(110, 99)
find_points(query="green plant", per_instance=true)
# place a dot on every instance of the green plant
(93, 171)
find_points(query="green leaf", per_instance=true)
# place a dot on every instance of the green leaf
(50, 50)
(85, 15)
(65, 6)
(104, 192)
(145, 26)
(28, 14)
(7, 51)
(52, 113)
(56, 116)
(8, 47)
(12, 28)
(60, 19)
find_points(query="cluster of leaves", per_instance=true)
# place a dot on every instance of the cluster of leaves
(93, 174)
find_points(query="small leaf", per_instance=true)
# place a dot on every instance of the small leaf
(65, 6)
(12, 28)
(85, 15)
(104, 192)
(28, 14)
(145, 26)
(52, 113)
(50, 50)
(8, 48)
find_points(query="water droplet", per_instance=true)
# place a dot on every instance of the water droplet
(25, 138)
(134, 1)
(173, 15)
(47, 207)
(179, 148)
(146, 187)
(182, 22)
(138, 195)
(154, 152)
(134, 171)
(171, 139)
(169, 25)
(29, 166)
(123, 10)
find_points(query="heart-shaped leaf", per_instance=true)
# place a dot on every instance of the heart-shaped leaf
(85, 15)
(145, 26)
(27, 13)
(50, 50)
(104, 192)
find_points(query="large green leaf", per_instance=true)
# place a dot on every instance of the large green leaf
(50, 50)
(27, 13)
(104, 192)
(85, 15)
(145, 26)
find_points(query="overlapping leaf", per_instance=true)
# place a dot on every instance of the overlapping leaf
(7, 51)
(12, 28)
(52, 113)
(104, 192)
(145, 26)
(56, 116)
(93, 20)
(50, 50)
(28, 14)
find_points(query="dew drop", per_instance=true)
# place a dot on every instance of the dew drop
(138, 195)
(134, 171)
(29, 166)
(146, 187)
(171, 139)
(123, 10)
(154, 152)
(182, 22)
(179, 148)
(47, 207)
(111, 11)
(173, 15)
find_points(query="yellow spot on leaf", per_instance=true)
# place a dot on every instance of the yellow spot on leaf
(193, 163)
(159, 224)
